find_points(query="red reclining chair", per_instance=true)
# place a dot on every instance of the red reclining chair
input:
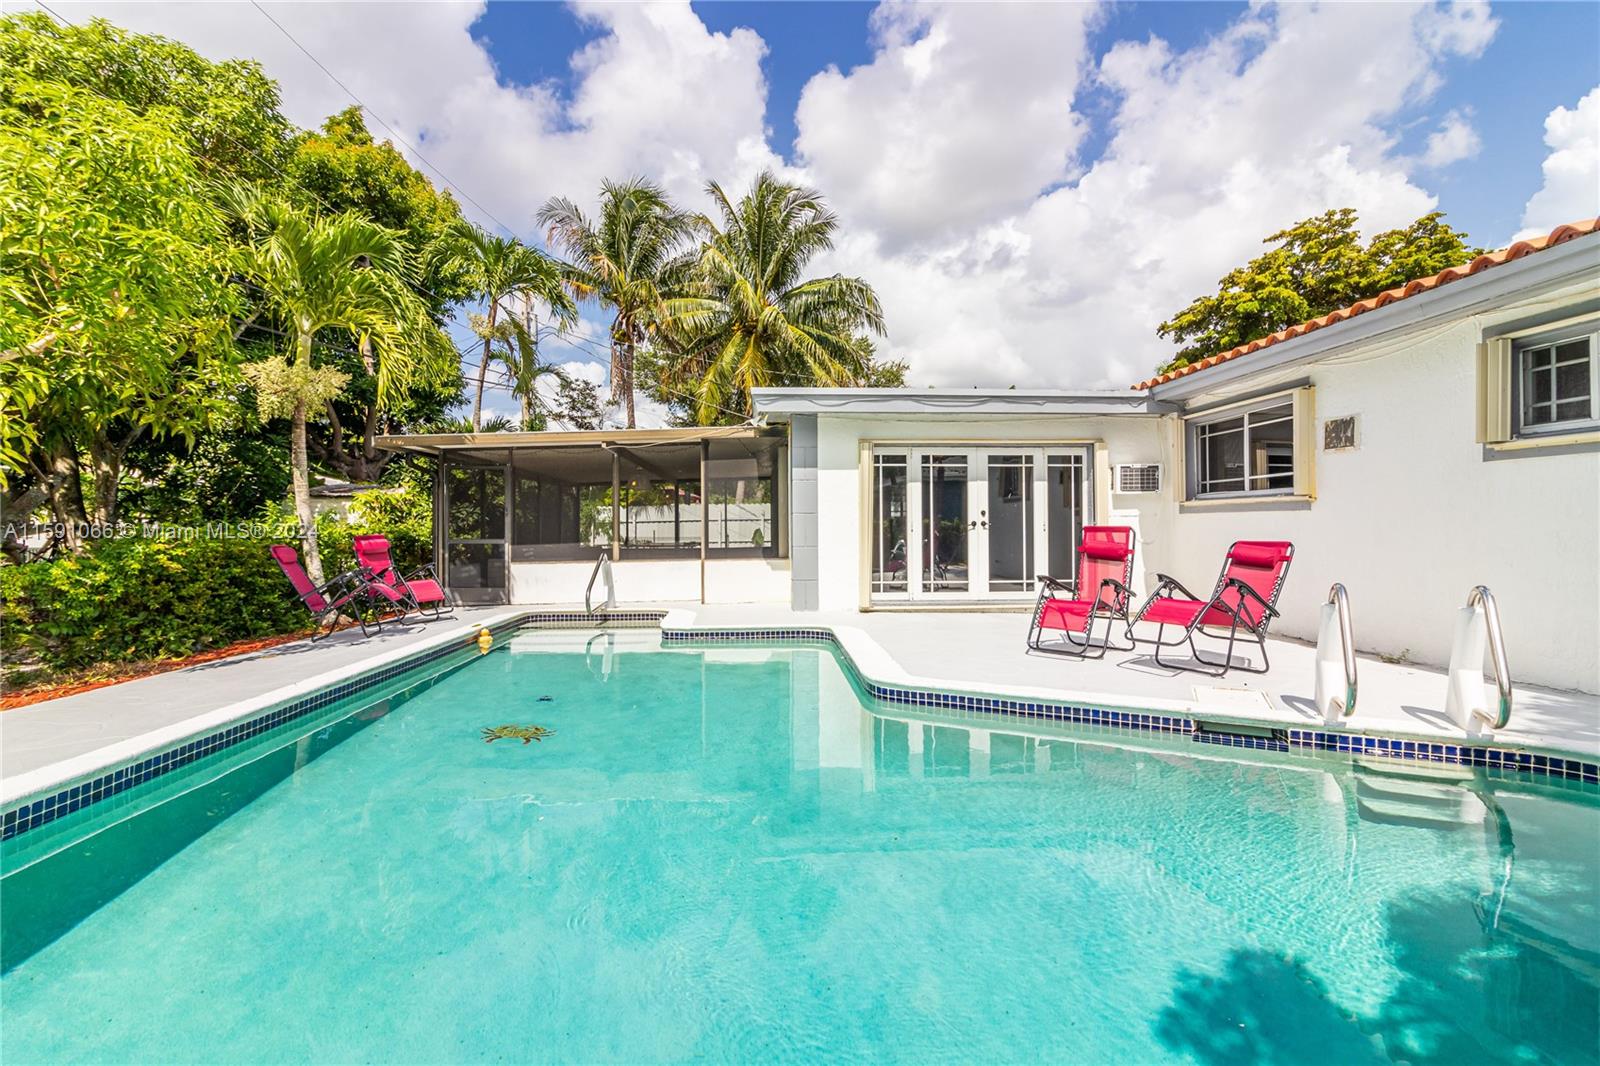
(328, 600)
(1244, 603)
(419, 590)
(1105, 570)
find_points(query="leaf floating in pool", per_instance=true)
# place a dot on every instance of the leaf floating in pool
(523, 733)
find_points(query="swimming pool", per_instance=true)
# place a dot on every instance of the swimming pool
(730, 853)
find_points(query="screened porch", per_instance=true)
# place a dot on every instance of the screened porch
(684, 515)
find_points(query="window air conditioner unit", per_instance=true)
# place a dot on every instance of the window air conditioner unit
(1138, 477)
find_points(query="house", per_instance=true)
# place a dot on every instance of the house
(1433, 438)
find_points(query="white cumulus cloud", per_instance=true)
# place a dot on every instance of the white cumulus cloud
(952, 155)
(1571, 189)
(1453, 141)
(1288, 112)
(963, 116)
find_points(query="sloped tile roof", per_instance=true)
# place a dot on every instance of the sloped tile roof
(1559, 235)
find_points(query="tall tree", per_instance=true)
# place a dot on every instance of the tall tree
(227, 113)
(114, 305)
(330, 273)
(753, 318)
(1313, 267)
(501, 271)
(627, 258)
(115, 181)
(341, 168)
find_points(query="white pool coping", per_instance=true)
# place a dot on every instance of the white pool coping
(962, 653)
(984, 654)
(15, 788)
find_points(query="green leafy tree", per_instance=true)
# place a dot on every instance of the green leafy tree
(1313, 267)
(628, 259)
(752, 318)
(500, 270)
(331, 273)
(577, 404)
(227, 113)
(341, 168)
(114, 303)
(228, 472)
(516, 348)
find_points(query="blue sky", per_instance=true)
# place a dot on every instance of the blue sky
(1031, 188)
(1508, 90)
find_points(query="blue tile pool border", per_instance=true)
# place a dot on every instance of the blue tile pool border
(1282, 739)
(43, 810)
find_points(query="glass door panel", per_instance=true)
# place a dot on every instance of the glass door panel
(890, 557)
(1008, 527)
(979, 523)
(475, 531)
(945, 524)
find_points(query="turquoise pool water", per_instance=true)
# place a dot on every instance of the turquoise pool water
(727, 855)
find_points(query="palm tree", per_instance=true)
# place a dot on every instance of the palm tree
(752, 318)
(628, 260)
(521, 359)
(337, 272)
(499, 269)
(516, 347)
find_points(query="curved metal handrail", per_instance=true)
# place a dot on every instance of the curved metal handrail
(588, 591)
(1341, 601)
(1497, 651)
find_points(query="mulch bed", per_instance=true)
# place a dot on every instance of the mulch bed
(116, 673)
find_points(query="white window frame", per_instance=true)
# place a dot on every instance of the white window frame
(1520, 428)
(1195, 429)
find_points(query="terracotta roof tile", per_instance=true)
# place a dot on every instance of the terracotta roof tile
(1559, 235)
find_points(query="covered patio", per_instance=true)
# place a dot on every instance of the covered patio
(692, 515)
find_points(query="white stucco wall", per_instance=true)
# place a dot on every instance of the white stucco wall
(647, 581)
(1409, 521)
(1127, 438)
(1416, 516)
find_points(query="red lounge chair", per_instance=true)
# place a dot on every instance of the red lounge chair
(327, 601)
(420, 590)
(1105, 570)
(1244, 602)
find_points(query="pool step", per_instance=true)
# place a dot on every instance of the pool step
(1397, 800)
(1412, 769)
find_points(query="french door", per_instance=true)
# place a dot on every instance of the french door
(959, 524)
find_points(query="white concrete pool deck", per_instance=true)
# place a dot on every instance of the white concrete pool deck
(62, 739)
(58, 741)
(986, 653)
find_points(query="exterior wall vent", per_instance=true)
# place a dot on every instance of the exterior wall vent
(1138, 477)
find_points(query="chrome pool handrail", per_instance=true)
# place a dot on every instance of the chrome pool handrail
(611, 590)
(1341, 601)
(1497, 651)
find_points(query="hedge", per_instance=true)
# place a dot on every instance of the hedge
(133, 599)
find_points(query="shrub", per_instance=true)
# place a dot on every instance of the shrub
(133, 599)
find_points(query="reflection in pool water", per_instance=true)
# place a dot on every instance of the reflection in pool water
(725, 854)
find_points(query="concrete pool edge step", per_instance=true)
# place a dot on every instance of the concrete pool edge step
(876, 668)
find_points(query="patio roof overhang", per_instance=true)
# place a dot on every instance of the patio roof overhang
(440, 443)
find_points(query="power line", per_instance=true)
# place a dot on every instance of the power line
(332, 210)
(363, 104)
